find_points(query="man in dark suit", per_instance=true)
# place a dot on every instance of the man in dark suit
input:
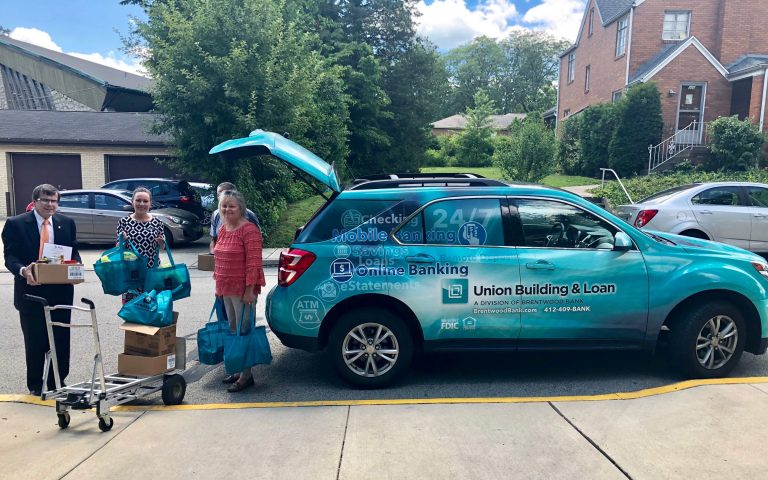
(23, 238)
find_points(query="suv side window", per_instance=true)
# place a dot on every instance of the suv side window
(342, 215)
(553, 224)
(108, 202)
(723, 196)
(758, 196)
(462, 221)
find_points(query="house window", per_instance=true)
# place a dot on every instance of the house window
(616, 96)
(676, 25)
(621, 36)
(591, 21)
(567, 113)
(571, 66)
(586, 79)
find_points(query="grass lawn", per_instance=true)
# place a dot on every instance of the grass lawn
(493, 172)
(298, 213)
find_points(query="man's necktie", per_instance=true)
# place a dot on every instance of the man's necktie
(43, 238)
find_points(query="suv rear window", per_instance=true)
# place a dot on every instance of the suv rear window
(341, 216)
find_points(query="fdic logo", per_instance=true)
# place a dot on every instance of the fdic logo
(455, 290)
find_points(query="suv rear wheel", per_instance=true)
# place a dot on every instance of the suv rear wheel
(370, 347)
(709, 340)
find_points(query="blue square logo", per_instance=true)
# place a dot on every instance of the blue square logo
(455, 290)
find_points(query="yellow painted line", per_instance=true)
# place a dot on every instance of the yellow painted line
(648, 392)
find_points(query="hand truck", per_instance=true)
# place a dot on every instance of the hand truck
(103, 391)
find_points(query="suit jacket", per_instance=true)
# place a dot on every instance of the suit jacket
(21, 243)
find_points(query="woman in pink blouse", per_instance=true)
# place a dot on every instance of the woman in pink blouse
(238, 269)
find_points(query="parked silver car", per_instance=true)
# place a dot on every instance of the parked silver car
(729, 212)
(96, 213)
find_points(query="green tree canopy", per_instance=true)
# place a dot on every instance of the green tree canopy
(474, 145)
(638, 125)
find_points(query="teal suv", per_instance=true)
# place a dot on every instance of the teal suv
(396, 264)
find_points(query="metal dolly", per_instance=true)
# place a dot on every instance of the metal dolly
(103, 391)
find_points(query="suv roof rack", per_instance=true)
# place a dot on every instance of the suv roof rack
(413, 176)
(429, 181)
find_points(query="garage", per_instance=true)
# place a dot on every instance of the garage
(29, 170)
(132, 166)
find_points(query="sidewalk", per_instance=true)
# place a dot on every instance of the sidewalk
(712, 431)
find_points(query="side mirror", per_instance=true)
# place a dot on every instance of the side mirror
(128, 208)
(622, 242)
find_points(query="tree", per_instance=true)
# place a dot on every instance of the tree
(222, 69)
(638, 125)
(474, 145)
(735, 143)
(518, 72)
(597, 128)
(528, 155)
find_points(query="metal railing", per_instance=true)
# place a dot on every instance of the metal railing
(693, 135)
(602, 183)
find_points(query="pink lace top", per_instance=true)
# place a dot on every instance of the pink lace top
(238, 261)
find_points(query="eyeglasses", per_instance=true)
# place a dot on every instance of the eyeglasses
(49, 201)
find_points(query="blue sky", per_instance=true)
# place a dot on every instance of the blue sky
(88, 28)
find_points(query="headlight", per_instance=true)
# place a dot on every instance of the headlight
(761, 268)
(178, 220)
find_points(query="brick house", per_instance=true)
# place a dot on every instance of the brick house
(457, 123)
(71, 123)
(709, 58)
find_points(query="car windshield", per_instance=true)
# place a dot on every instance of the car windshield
(661, 196)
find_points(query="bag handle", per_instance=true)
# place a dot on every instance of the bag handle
(121, 245)
(167, 252)
(251, 318)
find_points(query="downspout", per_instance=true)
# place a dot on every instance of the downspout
(629, 42)
(762, 107)
(557, 106)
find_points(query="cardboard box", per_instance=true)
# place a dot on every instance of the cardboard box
(148, 366)
(149, 341)
(58, 274)
(205, 262)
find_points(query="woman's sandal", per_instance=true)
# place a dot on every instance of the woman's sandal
(237, 386)
(231, 378)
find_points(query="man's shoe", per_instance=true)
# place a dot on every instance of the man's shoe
(36, 393)
(237, 386)
(231, 378)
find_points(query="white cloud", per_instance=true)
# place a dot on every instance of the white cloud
(560, 18)
(449, 23)
(35, 37)
(43, 39)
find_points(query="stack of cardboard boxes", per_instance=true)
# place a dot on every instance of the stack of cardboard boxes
(151, 350)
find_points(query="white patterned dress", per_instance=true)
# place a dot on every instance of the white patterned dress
(143, 235)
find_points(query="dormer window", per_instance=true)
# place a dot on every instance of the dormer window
(677, 25)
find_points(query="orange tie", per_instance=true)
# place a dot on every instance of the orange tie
(43, 237)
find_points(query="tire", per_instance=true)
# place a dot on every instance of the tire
(63, 420)
(174, 388)
(106, 423)
(694, 348)
(371, 367)
(168, 236)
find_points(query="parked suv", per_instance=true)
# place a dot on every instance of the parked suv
(395, 264)
(166, 192)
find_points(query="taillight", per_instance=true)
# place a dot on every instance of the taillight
(644, 216)
(293, 263)
(185, 199)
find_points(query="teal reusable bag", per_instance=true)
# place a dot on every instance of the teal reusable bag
(244, 350)
(121, 270)
(154, 309)
(210, 338)
(174, 277)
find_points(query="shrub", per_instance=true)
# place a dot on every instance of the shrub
(638, 125)
(598, 126)
(474, 146)
(735, 143)
(529, 154)
(569, 147)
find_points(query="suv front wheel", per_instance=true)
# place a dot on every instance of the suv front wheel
(370, 347)
(709, 340)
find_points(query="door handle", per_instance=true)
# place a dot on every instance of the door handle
(759, 215)
(705, 212)
(420, 258)
(540, 265)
